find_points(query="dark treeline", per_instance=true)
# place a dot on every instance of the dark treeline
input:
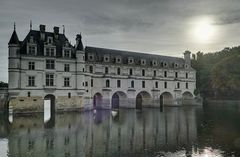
(3, 84)
(218, 74)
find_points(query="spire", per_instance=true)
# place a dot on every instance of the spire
(63, 29)
(79, 45)
(14, 37)
(30, 24)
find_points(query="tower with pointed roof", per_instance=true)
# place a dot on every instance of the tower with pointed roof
(14, 61)
(80, 61)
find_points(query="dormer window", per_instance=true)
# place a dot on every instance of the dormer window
(67, 44)
(165, 64)
(90, 57)
(154, 63)
(31, 39)
(143, 61)
(67, 53)
(118, 59)
(32, 50)
(175, 65)
(50, 40)
(50, 51)
(130, 60)
(106, 58)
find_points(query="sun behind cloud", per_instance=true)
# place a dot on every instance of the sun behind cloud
(203, 30)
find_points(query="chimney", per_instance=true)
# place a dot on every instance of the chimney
(187, 59)
(56, 30)
(42, 28)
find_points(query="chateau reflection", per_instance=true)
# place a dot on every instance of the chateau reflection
(99, 134)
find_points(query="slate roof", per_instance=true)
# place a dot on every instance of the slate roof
(58, 42)
(14, 38)
(100, 52)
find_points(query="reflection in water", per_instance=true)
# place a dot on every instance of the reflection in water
(174, 132)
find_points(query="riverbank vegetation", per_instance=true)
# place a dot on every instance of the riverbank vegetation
(218, 74)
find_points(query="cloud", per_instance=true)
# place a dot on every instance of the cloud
(227, 19)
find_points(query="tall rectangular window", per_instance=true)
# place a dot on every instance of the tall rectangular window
(91, 69)
(143, 72)
(118, 83)
(66, 67)
(31, 81)
(186, 85)
(165, 84)
(143, 84)
(176, 74)
(154, 73)
(178, 85)
(130, 72)
(31, 65)
(106, 70)
(118, 71)
(165, 73)
(107, 83)
(186, 75)
(50, 64)
(91, 82)
(31, 50)
(49, 80)
(132, 84)
(66, 82)
(156, 84)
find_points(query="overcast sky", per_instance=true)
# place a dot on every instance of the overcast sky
(150, 26)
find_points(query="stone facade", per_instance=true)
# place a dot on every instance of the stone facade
(45, 64)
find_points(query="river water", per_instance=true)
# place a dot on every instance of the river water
(208, 131)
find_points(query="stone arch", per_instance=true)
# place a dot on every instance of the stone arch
(166, 98)
(143, 98)
(187, 98)
(119, 99)
(97, 100)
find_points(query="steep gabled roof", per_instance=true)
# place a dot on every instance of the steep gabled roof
(59, 42)
(14, 38)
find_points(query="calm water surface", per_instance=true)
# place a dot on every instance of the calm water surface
(207, 131)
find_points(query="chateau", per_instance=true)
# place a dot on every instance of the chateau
(46, 66)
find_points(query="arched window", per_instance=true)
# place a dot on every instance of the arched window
(107, 83)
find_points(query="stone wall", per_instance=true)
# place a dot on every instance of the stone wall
(36, 104)
(64, 103)
(26, 104)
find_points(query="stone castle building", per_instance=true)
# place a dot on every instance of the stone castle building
(45, 65)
